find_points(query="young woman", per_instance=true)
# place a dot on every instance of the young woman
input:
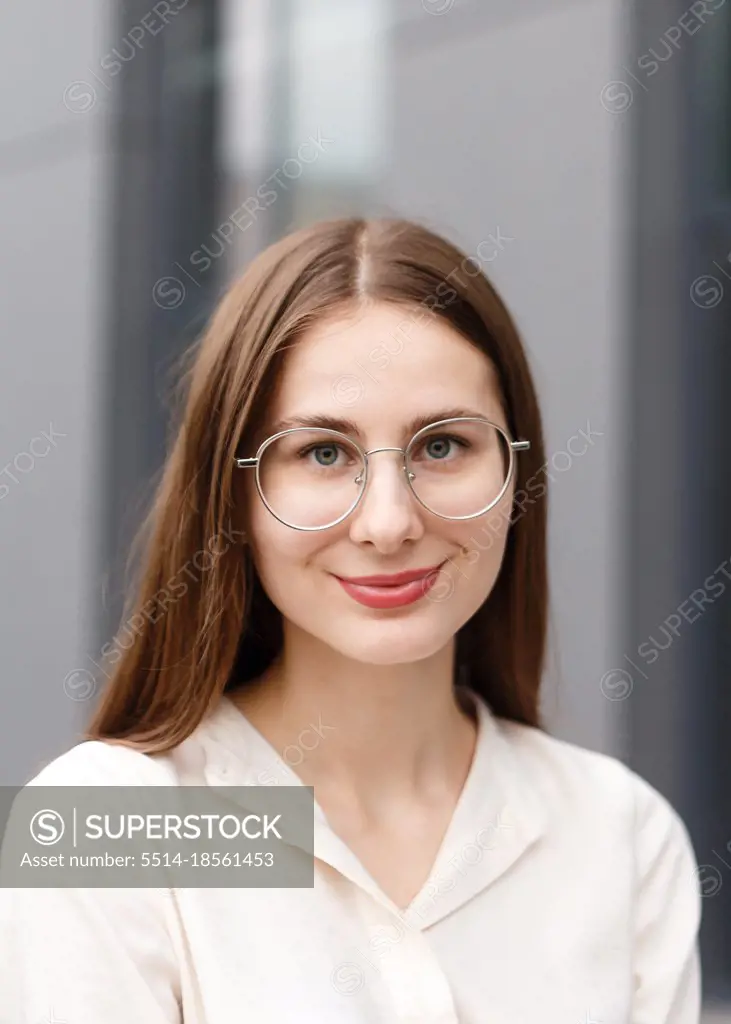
(344, 587)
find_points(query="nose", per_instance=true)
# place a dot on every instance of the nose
(388, 513)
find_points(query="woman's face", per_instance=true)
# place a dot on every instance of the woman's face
(364, 370)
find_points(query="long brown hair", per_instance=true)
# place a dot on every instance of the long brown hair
(218, 629)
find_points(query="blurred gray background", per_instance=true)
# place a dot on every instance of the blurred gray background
(148, 150)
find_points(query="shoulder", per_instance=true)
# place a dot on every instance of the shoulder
(112, 762)
(588, 784)
(103, 763)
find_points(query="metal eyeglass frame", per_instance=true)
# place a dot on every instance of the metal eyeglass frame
(255, 463)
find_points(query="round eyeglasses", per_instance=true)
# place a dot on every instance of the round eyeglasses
(312, 478)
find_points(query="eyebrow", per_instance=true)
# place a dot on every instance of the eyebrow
(346, 426)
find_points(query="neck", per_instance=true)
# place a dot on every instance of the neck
(369, 729)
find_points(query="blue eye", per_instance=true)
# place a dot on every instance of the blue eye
(439, 447)
(443, 446)
(326, 454)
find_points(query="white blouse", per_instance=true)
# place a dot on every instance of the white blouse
(565, 892)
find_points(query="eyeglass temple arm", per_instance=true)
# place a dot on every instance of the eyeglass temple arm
(518, 446)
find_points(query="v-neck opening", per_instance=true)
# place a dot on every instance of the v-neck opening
(465, 818)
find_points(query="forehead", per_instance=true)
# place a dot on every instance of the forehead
(382, 367)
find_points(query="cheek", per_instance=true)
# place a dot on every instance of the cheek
(484, 542)
(279, 553)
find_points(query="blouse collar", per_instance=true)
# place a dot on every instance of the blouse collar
(498, 816)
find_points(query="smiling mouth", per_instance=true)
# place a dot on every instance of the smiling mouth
(394, 591)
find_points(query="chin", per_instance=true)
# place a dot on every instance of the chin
(388, 642)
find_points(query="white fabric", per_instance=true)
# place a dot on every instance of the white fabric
(565, 892)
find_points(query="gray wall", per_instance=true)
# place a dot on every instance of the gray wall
(53, 174)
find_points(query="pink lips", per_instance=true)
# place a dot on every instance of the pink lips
(391, 591)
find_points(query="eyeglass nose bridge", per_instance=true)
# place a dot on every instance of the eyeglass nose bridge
(409, 475)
